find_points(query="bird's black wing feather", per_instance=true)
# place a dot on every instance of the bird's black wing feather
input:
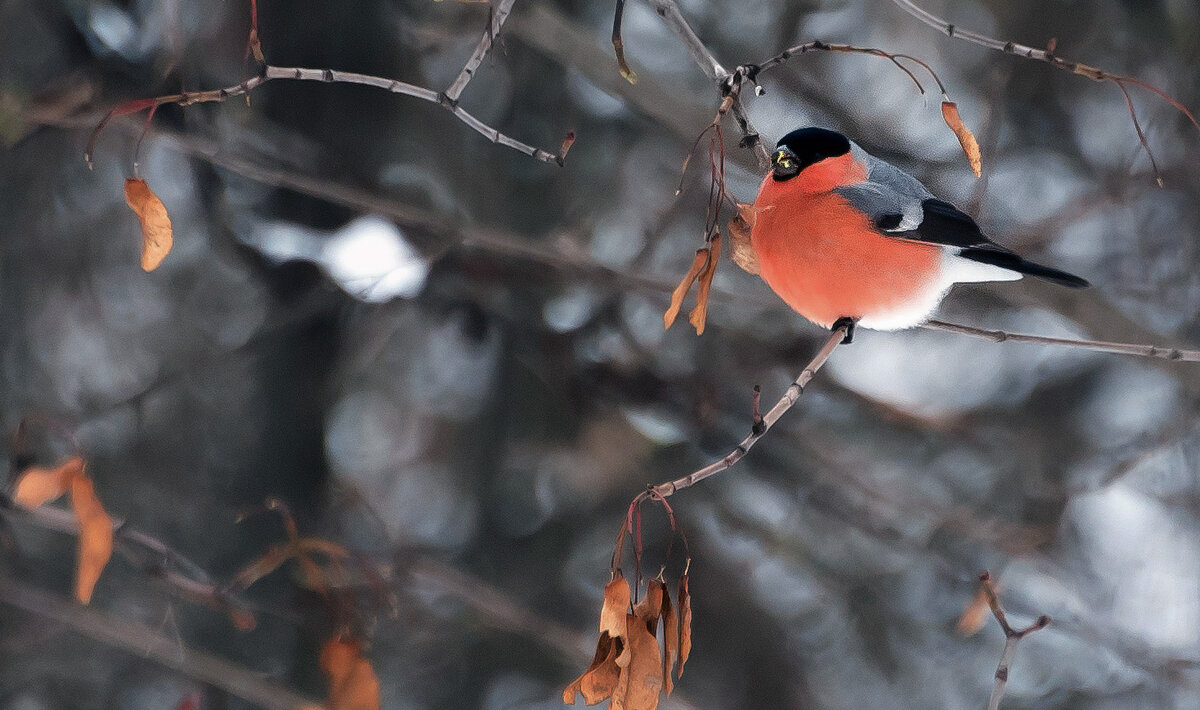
(945, 225)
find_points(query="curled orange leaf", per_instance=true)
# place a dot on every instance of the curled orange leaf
(156, 223)
(95, 536)
(38, 486)
(966, 139)
(353, 684)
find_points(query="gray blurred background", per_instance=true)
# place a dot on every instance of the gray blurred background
(450, 357)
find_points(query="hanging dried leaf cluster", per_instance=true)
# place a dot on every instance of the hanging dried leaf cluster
(629, 668)
(704, 267)
(37, 486)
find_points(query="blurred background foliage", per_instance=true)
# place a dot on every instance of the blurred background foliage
(450, 357)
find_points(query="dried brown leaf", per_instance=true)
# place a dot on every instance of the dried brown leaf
(650, 607)
(613, 613)
(38, 486)
(685, 284)
(600, 679)
(741, 248)
(699, 314)
(156, 223)
(966, 139)
(353, 684)
(95, 536)
(670, 642)
(640, 683)
(563, 149)
(975, 615)
(685, 624)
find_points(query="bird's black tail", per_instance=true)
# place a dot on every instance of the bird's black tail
(1008, 260)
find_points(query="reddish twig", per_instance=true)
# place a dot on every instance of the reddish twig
(818, 46)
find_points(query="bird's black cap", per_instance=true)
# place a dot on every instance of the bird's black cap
(805, 146)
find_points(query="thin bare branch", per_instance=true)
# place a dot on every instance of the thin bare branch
(818, 46)
(151, 556)
(327, 76)
(1000, 336)
(498, 15)
(760, 425)
(143, 642)
(728, 83)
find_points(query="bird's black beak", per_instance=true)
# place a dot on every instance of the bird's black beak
(784, 164)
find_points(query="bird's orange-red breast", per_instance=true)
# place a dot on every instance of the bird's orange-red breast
(841, 234)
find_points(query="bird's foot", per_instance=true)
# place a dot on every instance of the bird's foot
(848, 323)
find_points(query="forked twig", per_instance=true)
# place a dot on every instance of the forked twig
(1011, 638)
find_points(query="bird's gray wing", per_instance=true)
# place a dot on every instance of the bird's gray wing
(889, 196)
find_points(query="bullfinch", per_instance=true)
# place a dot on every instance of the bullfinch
(848, 239)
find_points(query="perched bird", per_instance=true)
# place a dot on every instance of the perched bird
(846, 238)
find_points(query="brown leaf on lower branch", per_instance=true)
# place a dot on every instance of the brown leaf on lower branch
(156, 223)
(95, 536)
(38, 486)
(353, 684)
(629, 667)
(650, 607)
(641, 681)
(612, 615)
(685, 624)
(600, 679)
(670, 642)
(966, 139)
(741, 248)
